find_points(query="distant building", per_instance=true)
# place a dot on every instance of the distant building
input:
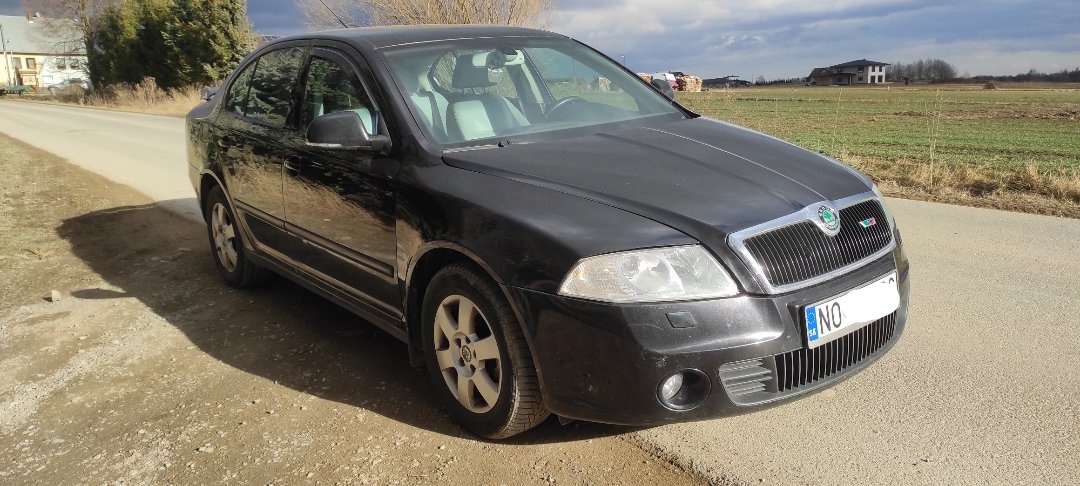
(29, 59)
(731, 81)
(852, 72)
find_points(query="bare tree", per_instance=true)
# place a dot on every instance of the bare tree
(330, 14)
(922, 69)
(68, 25)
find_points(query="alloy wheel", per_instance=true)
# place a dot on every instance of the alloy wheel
(224, 232)
(468, 354)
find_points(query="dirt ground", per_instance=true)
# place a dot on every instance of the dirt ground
(124, 359)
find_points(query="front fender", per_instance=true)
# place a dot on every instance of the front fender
(524, 235)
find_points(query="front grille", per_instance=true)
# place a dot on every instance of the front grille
(760, 380)
(800, 251)
(803, 367)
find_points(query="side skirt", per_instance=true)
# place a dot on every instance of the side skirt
(365, 311)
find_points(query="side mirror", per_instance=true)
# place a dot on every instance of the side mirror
(664, 87)
(343, 130)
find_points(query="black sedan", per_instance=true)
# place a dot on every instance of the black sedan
(547, 232)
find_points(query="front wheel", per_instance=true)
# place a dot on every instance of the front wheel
(477, 356)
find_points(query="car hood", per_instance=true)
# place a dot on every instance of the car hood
(701, 176)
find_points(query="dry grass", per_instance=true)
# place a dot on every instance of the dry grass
(1024, 190)
(1014, 147)
(144, 97)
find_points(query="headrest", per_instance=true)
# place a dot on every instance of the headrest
(471, 71)
(505, 57)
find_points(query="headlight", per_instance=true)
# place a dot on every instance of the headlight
(884, 206)
(653, 275)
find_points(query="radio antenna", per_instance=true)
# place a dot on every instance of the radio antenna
(332, 12)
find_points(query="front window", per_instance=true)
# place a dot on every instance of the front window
(332, 88)
(486, 90)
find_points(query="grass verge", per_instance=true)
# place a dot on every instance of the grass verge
(1011, 148)
(144, 97)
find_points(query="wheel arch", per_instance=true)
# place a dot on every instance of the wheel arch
(431, 258)
(207, 181)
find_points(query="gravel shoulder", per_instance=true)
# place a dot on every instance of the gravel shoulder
(143, 368)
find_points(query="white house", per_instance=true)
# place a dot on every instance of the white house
(859, 71)
(28, 58)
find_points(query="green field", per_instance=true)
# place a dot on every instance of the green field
(1003, 128)
(1021, 139)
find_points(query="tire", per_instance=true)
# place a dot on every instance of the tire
(227, 245)
(477, 356)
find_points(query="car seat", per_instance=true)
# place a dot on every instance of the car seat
(480, 114)
(431, 104)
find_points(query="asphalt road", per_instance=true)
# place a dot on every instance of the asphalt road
(146, 152)
(983, 387)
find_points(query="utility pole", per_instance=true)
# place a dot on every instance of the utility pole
(7, 58)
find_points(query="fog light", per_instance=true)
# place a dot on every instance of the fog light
(684, 390)
(671, 386)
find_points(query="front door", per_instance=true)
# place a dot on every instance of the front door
(336, 201)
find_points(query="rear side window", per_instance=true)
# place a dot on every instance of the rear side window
(270, 96)
(236, 97)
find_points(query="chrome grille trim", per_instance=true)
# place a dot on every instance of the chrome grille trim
(737, 242)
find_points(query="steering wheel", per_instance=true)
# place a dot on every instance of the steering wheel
(563, 102)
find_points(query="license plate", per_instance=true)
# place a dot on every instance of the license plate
(829, 320)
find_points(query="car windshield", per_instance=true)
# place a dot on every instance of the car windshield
(476, 91)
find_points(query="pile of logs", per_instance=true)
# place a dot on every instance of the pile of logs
(689, 83)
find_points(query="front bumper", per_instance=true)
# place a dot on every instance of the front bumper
(604, 362)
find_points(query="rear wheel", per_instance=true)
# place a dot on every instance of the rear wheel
(477, 356)
(226, 244)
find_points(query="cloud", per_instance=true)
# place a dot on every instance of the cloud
(786, 38)
(783, 38)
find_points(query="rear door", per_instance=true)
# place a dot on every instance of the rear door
(256, 123)
(338, 202)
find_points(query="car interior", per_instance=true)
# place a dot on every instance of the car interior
(463, 94)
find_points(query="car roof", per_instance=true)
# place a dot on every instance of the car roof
(381, 37)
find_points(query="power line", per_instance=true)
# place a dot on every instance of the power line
(334, 13)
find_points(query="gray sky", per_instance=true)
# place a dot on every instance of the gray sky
(786, 38)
